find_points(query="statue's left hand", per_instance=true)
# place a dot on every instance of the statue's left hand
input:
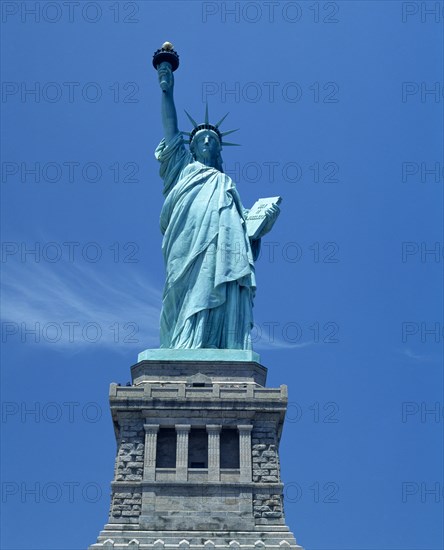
(271, 213)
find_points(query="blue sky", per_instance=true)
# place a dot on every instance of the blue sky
(340, 110)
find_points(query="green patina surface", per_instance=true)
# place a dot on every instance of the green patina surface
(208, 252)
(201, 354)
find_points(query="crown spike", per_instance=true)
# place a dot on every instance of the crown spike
(193, 122)
(230, 144)
(221, 120)
(206, 114)
(228, 132)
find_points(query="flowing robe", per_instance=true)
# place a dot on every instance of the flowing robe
(210, 281)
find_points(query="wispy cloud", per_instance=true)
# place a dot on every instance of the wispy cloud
(71, 305)
(277, 344)
(418, 356)
(76, 305)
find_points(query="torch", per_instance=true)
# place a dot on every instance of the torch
(166, 54)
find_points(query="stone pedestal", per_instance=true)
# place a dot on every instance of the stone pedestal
(197, 461)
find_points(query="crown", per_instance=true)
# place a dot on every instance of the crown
(207, 126)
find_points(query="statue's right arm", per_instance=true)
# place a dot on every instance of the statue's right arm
(169, 115)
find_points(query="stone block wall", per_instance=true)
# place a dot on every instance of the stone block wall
(125, 506)
(129, 459)
(267, 506)
(265, 455)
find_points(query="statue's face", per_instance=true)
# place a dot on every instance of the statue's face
(206, 147)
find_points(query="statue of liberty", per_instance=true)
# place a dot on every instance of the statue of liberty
(209, 255)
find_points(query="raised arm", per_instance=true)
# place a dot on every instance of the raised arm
(169, 115)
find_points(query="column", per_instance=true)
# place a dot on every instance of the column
(214, 452)
(183, 431)
(245, 451)
(149, 461)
